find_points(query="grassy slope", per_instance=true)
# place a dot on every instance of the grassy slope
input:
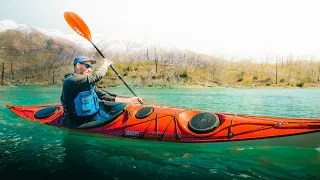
(40, 60)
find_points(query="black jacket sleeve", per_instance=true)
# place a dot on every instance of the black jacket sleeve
(104, 95)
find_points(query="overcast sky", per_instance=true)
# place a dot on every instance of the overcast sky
(230, 28)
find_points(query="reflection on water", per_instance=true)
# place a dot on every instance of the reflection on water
(34, 151)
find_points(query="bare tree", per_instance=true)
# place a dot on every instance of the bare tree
(147, 45)
(147, 53)
(26, 71)
(276, 70)
(289, 59)
(319, 74)
(2, 73)
(156, 58)
(11, 70)
(171, 55)
(162, 55)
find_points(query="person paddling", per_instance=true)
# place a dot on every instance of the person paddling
(80, 95)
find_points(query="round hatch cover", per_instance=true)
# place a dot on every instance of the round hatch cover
(45, 112)
(204, 122)
(144, 112)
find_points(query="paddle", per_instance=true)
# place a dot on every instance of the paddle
(80, 27)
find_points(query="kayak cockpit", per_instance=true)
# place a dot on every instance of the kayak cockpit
(108, 112)
(54, 115)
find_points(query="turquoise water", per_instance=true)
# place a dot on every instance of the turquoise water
(35, 151)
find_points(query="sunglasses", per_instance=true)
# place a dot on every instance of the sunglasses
(88, 66)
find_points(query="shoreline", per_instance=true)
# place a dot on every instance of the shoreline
(188, 86)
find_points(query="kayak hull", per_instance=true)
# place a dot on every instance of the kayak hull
(297, 140)
(173, 125)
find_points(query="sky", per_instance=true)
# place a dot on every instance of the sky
(227, 28)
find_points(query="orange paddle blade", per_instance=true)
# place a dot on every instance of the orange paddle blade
(78, 25)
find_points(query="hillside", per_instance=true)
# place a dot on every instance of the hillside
(27, 55)
(31, 57)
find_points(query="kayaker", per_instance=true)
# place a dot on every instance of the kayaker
(80, 95)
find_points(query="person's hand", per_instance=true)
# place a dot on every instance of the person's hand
(107, 62)
(135, 100)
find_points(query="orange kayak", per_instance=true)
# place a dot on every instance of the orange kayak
(180, 125)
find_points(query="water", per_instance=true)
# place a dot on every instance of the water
(34, 151)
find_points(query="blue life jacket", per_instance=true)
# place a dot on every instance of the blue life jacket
(86, 103)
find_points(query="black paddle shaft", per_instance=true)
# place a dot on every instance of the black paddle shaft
(117, 73)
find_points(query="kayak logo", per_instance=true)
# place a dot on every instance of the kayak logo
(131, 133)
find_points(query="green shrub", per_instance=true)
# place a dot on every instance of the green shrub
(240, 76)
(269, 81)
(300, 84)
(184, 75)
(240, 79)
(136, 68)
(128, 68)
(255, 77)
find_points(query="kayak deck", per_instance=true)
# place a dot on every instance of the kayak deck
(173, 125)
